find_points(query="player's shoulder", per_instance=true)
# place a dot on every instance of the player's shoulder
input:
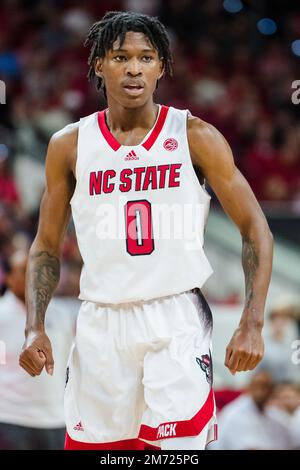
(199, 130)
(68, 135)
(62, 148)
(206, 143)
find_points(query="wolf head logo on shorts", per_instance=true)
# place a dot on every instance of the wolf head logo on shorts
(206, 366)
(78, 427)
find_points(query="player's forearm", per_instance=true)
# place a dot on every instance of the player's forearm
(257, 256)
(42, 277)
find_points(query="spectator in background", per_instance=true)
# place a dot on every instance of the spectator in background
(278, 344)
(284, 406)
(31, 411)
(246, 424)
(295, 427)
(8, 191)
(285, 401)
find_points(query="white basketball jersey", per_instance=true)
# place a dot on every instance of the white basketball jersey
(139, 212)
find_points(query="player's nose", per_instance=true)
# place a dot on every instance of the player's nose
(133, 67)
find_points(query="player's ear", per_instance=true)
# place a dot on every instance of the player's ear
(161, 69)
(98, 67)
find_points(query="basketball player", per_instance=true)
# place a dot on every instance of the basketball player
(141, 365)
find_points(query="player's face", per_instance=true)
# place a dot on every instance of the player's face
(130, 71)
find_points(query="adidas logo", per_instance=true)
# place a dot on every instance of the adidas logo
(78, 427)
(131, 156)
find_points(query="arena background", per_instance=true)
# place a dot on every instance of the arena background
(236, 65)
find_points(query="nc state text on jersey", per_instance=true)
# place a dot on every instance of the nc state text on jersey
(135, 179)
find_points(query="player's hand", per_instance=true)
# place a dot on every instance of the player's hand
(37, 354)
(245, 350)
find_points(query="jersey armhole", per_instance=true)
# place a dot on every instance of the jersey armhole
(77, 150)
(77, 163)
(203, 185)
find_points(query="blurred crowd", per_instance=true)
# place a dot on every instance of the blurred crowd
(265, 414)
(225, 72)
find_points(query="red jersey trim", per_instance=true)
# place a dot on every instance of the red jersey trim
(157, 128)
(191, 427)
(115, 145)
(110, 139)
(128, 444)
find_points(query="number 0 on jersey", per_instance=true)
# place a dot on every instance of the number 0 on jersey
(138, 223)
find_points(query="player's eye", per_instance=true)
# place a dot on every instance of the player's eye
(147, 58)
(120, 58)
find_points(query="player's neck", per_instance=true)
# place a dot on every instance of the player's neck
(125, 119)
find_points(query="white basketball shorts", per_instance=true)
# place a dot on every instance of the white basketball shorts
(141, 371)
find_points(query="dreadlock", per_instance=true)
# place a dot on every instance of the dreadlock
(114, 25)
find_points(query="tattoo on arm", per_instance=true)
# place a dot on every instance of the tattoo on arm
(42, 279)
(250, 262)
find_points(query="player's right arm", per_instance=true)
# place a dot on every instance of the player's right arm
(43, 268)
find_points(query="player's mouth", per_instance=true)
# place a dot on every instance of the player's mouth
(133, 87)
(134, 90)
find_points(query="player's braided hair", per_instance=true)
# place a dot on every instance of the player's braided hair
(114, 25)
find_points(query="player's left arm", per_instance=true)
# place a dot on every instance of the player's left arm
(212, 155)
